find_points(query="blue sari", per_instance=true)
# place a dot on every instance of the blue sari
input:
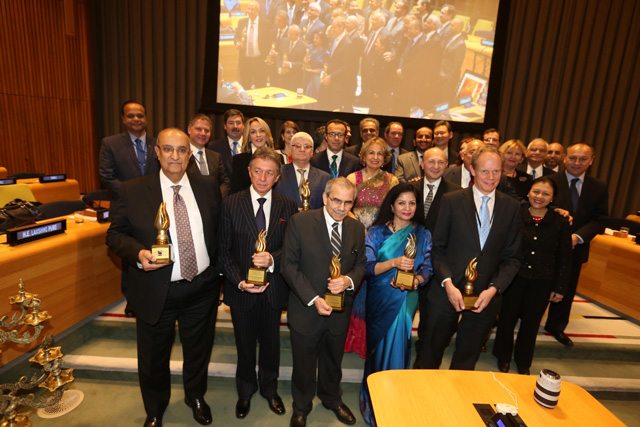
(390, 311)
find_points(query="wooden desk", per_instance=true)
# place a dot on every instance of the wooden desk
(53, 191)
(612, 274)
(72, 272)
(634, 218)
(263, 97)
(421, 397)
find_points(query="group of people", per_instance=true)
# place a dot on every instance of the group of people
(369, 204)
(323, 48)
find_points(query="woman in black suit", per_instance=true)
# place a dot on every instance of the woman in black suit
(256, 134)
(513, 154)
(543, 276)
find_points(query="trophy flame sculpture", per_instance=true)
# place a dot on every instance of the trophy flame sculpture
(336, 302)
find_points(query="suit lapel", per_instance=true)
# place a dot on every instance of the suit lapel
(200, 195)
(274, 216)
(415, 161)
(246, 211)
(470, 213)
(291, 182)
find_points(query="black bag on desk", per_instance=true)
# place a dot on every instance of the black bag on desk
(17, 213)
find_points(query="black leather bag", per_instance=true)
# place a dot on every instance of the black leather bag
(17, 213)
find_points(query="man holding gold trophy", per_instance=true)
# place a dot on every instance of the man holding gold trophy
(476, 254)
(323, 254)
(252, 227)
(164, 228)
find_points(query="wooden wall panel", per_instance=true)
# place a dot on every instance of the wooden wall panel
(46, 94)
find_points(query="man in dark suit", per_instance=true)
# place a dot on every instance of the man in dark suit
(555, 157)
(411, 67)
(318, 333)
(409, 166)
(461, 175)
(478, 222)
(292, 60)
(253, 40)
(338, 82)
(430, 189)
(312, 23)
(453, 53)
(203, 160)
(184, 291)
(130, 154)
(300, 169)
(255, 310)
(442, 138)
(230, 144)
(369, 127)
(536, 155)
(587, 200)
(393, 134)
(334, 160)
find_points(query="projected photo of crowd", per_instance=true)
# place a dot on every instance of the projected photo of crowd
(407, 58)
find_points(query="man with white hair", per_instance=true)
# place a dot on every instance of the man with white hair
(536, 155)
(312, 24)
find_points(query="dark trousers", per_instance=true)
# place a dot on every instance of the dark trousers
(443, 321)
(422, 324)
(526, 300)
(558, 317)
(258, 326)
(194, 306)
(317, 365)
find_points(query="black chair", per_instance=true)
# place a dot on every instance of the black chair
(26, 175)
(56, 209)
(96, 198)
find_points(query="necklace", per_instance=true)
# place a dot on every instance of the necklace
(392, 226)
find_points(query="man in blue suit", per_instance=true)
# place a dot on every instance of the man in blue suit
(293, 173)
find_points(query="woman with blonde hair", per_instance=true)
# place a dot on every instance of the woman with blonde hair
(513, 153)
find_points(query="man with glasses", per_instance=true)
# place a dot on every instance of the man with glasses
(334, 160)
(492, 237)
(369, 128)
(185, 290)
(491, 137)
(129, 154)
(442, 136)
(299, 170)
(587, 200)
(256, 310)
(409, 166)
(536, 155)
(318, 332)
(230, 144)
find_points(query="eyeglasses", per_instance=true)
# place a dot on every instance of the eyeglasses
(489, 139)
(302, 147)
(169, 149)
(440, 134)
(369, 130)
(338, 202)
(335, 134)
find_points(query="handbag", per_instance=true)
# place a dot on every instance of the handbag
(17, 213)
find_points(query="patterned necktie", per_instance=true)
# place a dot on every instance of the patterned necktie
(573, 192)
(202, 164)
(428, 200)
(186, 250)
(334, 166)
(336, 241)
(234, 150)
(393, 161)
(485, 221)
(261, 221)
(140, 154)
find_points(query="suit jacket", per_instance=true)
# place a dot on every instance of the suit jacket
(221, 146)
(264, 36)
(593, 207)
(216, 168)
(444, 187)
(295, 54)
(452, 59)
(348, 164)
(456, 241)
(119, 162)
(238, 234)
(305, 267)
(132, 229)
(408, 167)
(387, 167)
(454, 174)
(310, 30)
(288, 185)
(341, 66)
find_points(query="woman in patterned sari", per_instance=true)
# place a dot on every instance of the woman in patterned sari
(390, 309)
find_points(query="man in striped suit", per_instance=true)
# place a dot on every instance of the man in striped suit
(255, 310)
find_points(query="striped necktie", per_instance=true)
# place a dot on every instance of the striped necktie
(428, 200)
(336, 241)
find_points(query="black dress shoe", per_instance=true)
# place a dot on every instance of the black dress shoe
(298, 420)
(201, 411)
(524, 371)
(503, 366)
(153, 422)
(243, 406)
(343, 413)
(562, 338)
(275, 404)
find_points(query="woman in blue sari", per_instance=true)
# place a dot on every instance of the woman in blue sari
(389, 309)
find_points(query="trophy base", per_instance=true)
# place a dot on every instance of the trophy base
(257, 276)
(404, 280)
(469, 301)
(336, 302)
(162, 254)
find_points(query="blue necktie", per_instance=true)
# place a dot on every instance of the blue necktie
(261, 221)
(393, 161)
(142, 158)
(234, 150)
(485, 221)
(334, 166)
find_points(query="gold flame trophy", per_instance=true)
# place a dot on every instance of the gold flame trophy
(405, 279)
(161, 250)
(257, 276)
(305, 195)
(335, 301)
(470, 274)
